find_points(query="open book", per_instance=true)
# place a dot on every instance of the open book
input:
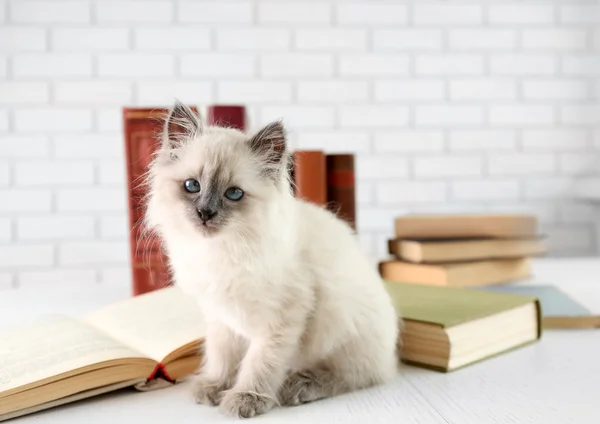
(145, 342)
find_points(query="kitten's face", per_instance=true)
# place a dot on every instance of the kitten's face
(215, 181)
(212, 180)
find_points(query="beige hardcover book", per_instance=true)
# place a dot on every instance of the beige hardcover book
(451, 250)
(446, 226)
(147, 341)
(447, 328)
(457, 273)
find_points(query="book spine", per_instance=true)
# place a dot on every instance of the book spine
(309, 171)
(141, 127)
(232, 116)
(341, 187)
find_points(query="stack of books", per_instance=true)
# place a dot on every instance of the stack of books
(462, 250)
(438, 267)
(326, 179)
(450, 277)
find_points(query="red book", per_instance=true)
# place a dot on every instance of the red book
(148, 261)
(341, 189)
(309, 173)
(232, 116)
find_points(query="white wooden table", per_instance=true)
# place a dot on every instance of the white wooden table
(556, 380)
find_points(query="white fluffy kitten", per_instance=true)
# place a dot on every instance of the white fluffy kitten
(295, 312)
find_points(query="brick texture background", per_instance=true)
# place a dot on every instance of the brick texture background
(450, 106)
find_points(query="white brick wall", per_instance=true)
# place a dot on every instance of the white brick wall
(449, 107)
(521, 14)
(445, 14)
(93, 253)
(4, 174)
(55, 227)
(125, 11)
(409, 141)
(407, 39)
(215, 11)
(485, 190)
(361, 13)
(22, 39)
(90, 200)
(30, 65)
(253, 39)
(169, 39)
(101, 92)
(89, 39)
(136, 65)
(57, 173)
(217, 65)
(23, 92)
(54, 12)
(52, 119)
(5, 230)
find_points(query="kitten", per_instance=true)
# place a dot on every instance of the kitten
(294, 310)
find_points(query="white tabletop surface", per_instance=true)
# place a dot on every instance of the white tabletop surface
(556, 380)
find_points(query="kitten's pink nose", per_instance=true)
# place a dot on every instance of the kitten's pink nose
(206, 214)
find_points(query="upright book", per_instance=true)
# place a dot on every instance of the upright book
(341, 186)
(142, 127)
(232, 116)
(447, 328)
(309, 173)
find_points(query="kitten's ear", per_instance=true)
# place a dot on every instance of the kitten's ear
(270, 142)
(181, 123)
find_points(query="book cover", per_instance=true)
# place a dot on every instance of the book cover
(142, 127)
(559, 310)
(447, 328)
(309, 171)
(341, 186)
(450, 306)
(458, 274)
(445, 226)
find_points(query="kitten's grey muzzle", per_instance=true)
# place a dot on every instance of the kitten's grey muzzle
(206, 214)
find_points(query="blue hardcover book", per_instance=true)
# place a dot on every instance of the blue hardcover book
(559, 310)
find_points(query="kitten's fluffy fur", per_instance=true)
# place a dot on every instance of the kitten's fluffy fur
(295, 312)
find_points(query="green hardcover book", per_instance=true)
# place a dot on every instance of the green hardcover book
(447, 328)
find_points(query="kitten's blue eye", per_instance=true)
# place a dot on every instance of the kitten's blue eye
(191, 186)
(234, 193)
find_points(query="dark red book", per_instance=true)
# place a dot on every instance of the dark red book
(233, 116)
(309, 173)
(341, 188)
(142, 127)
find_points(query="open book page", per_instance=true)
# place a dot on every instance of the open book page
(52, 345)
(155, 323)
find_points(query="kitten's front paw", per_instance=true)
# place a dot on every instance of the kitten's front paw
(297, 389)
(245, 404)
(208, 392)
